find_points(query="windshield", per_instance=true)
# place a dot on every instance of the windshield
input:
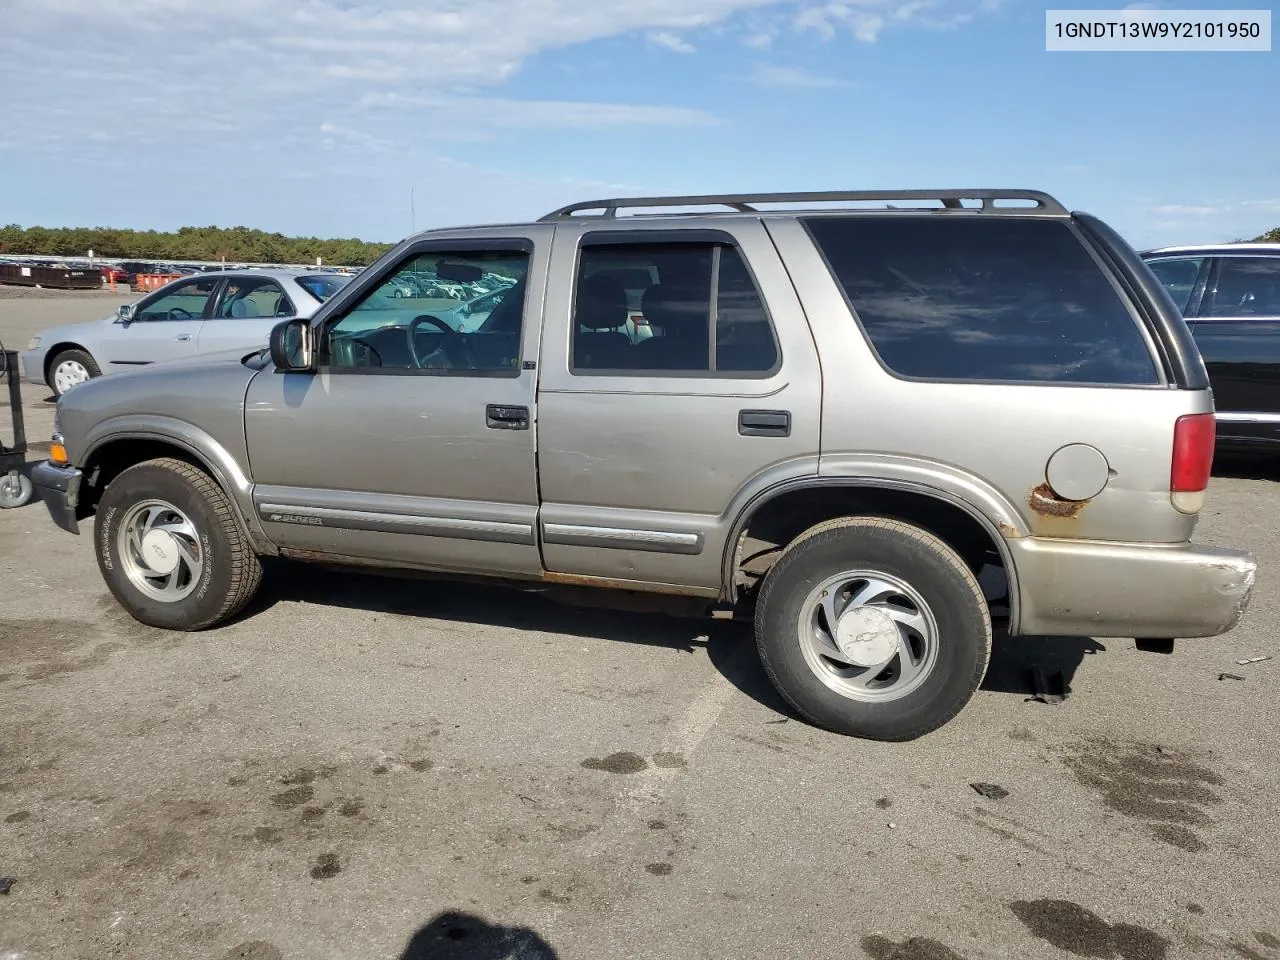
(322, 286)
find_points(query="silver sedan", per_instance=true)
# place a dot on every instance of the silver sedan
(206, 313)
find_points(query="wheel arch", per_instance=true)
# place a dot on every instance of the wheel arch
(59, 348)
(113, 448)
(791, 508)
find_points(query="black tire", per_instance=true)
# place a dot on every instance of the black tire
(231, 571)
(913, 556)
(76, 355)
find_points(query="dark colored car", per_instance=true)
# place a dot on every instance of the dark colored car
(1230, 296)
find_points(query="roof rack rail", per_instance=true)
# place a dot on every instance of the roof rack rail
(746, 202)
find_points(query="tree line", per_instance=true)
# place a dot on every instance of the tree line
(240, 244)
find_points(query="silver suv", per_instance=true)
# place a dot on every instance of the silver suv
(872, 420)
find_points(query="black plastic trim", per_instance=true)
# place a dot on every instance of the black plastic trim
(1179, 353)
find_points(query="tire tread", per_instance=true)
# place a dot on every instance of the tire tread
(246, 568)
(841, 527)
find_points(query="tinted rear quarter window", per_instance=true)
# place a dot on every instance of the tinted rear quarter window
(964, 298)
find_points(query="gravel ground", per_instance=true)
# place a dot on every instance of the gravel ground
(386, 768)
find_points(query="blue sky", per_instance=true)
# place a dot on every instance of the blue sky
(321, 116)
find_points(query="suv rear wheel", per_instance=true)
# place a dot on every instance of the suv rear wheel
(874, 628)
(170, 549)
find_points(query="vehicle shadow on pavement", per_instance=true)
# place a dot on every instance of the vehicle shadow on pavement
(615, 616)
(1016, 660)
(456, 935)
(589, 613)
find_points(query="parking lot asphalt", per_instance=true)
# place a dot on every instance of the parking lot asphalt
(392, 768)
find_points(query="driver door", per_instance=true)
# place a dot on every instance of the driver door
(413, 443)
(164, 326)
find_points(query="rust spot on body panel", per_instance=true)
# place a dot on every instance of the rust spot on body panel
(1046, 503)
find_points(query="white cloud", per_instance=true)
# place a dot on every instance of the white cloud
(777, 77)
(1207, 221)
(866, 20)
(222, 100)
(664, 38)
(1186, 210)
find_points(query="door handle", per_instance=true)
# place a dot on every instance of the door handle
(764, 423)
(500, 417)
(184, 337)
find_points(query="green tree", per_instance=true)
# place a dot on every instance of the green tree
(188, 243)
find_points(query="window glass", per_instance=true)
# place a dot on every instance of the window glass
(1178, 277)
(1247, 287)
(182, 301)
(649, 307)
(323, 286)
(421, 318)
(252, 298)
(974, 298)
(744, 338)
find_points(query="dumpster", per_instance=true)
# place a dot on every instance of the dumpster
(56, 278)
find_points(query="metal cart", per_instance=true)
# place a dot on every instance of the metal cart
(15, 486)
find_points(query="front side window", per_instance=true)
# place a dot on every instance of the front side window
(418, 320)
(669, 309)
(181, 301)
(945, 297)
(251, 298)
(1246, 287)
(1178, 277)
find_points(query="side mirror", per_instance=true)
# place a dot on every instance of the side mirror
(124, 313)
(292, 347)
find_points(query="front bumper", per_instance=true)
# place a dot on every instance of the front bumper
(59, 488)
(32, 366)
(1081, 588)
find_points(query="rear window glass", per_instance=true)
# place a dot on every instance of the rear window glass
(984, 299)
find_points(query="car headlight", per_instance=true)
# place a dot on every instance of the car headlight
(33, 343)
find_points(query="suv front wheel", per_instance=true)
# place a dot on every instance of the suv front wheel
(874, 628)
(170, 549)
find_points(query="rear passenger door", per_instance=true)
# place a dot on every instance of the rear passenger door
(648, 446)
(244, 315)
(1238, 332)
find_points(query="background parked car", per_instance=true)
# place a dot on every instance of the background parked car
(1230, 296)
(114, 274)
(205, 313)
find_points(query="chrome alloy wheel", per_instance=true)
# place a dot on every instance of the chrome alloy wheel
(868, 635)
(160, 550)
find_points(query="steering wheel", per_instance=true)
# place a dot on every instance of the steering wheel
(186, 314)
(453, 338)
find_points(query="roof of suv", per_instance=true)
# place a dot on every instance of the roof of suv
(951, 202)
(1255, 249)
(985, 201)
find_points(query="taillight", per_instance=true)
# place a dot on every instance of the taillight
(1193, 437)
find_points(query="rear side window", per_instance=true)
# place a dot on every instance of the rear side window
(984, 299)
(669, 309)
(1247, 287)
(1178, 276)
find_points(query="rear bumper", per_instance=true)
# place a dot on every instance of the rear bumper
(59, 488)
(1083, 588)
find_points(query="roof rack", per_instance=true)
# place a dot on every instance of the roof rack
(746, 202)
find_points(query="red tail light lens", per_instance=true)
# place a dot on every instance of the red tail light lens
(1193, 438)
